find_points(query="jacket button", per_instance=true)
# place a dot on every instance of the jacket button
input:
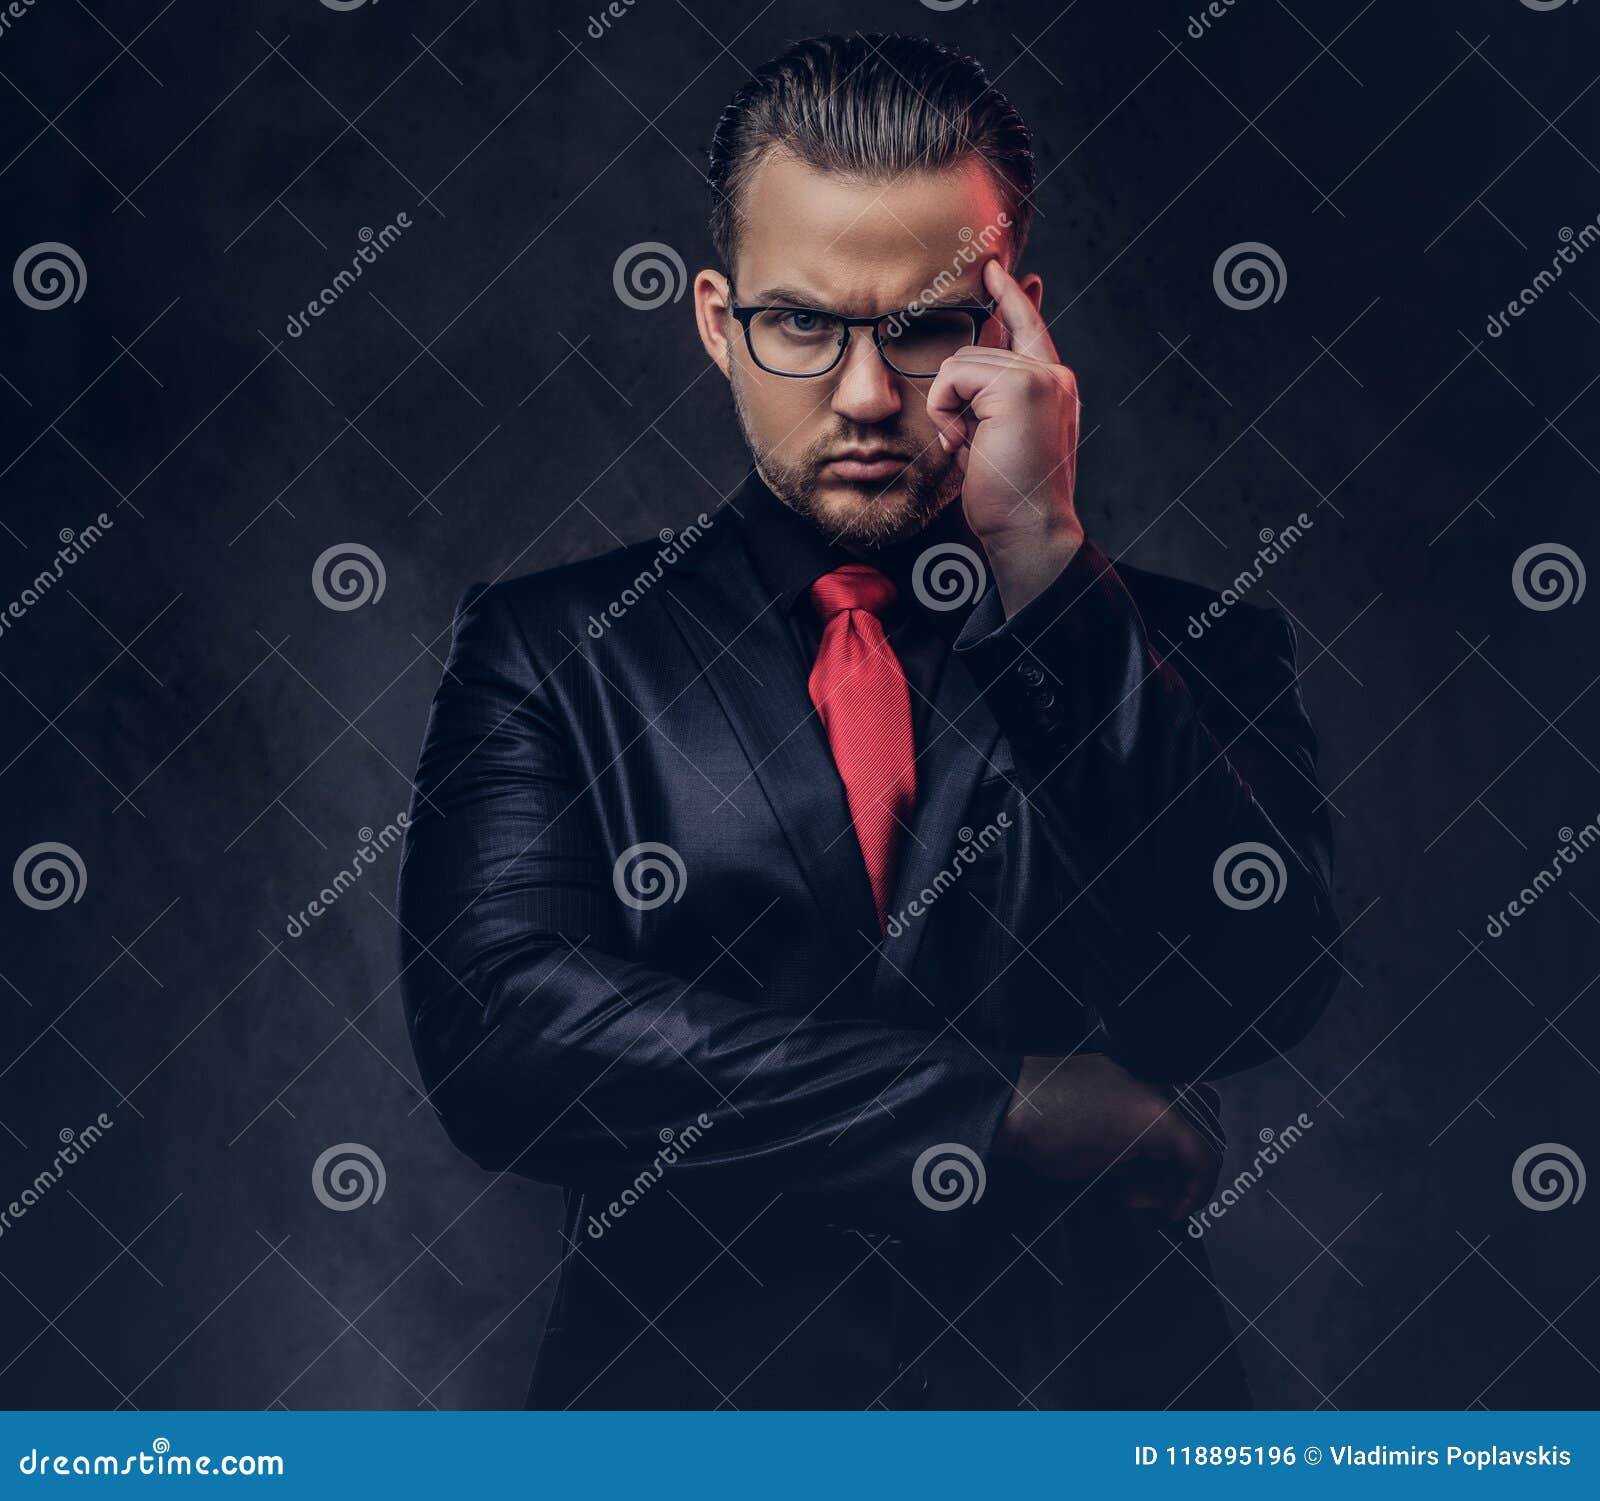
(1031, 674)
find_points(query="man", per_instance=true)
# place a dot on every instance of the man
(836, 901)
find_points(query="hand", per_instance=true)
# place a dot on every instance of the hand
(1085, 1119)
(1009, 414)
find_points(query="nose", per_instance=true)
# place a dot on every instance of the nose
(866, 390)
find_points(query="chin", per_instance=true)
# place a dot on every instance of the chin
(868, 514)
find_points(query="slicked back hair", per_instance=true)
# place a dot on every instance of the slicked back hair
(870, 106)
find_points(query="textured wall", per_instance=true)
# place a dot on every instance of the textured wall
(210, 739)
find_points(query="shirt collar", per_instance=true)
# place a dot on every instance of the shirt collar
(790, 554)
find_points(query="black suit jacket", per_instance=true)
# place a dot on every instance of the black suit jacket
(740, 1084)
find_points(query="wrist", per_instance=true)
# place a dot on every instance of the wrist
(1025, 560)
(1017, 1136)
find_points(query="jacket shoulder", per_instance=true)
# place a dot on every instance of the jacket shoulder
(563, 599)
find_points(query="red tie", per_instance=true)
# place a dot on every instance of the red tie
(859, 688)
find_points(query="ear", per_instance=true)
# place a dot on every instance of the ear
(712, 299)
(1033, 285)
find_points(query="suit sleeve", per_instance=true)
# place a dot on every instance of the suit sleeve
(1196, 848)
(551, 1048)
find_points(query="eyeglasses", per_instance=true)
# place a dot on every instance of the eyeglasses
(802, 342)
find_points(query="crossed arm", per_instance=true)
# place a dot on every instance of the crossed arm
(547, 1050)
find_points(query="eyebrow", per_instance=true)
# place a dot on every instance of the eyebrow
(789, 297)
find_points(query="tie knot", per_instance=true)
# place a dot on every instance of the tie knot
(852, 587)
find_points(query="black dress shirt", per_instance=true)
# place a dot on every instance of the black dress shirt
(790, 554)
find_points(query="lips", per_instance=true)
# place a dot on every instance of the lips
(868, 464)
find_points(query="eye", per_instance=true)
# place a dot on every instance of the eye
(803, 323)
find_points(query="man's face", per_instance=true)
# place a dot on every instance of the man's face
(819, 240)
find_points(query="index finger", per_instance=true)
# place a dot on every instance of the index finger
(1026, 329)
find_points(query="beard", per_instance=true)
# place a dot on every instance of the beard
(865, 515)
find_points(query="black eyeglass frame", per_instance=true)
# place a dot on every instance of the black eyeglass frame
(980, 313)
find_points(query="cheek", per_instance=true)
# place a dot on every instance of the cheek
(787, 413)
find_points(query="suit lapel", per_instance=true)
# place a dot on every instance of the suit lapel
(958, 748)
(747, 652)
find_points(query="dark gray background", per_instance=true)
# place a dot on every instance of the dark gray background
(184, 713)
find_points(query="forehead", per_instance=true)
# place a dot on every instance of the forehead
(867, 245)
